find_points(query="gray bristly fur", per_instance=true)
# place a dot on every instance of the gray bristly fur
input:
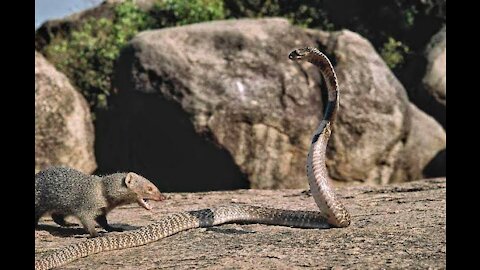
(63, 191)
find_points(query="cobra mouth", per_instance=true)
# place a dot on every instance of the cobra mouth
(144, 203)
(293, 55)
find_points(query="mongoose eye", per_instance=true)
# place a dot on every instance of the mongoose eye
(150, 189)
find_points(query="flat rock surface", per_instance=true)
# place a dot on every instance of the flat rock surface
(394, 226)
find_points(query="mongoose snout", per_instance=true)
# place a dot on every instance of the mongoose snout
(144, 189)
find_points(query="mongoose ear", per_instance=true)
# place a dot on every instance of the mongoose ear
(129, 180)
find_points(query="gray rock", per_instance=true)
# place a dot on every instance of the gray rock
(215, 103)
(426, 78)
(425, 141)
(212, 105)
(373, 118)
(435, 80)
(64, 133)
(399, 226)
(380, 137)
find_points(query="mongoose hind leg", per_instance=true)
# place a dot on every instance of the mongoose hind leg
(102, 221)
(60, 220)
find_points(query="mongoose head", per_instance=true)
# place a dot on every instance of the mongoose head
(143, 189)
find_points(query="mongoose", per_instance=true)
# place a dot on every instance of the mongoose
(62, 191)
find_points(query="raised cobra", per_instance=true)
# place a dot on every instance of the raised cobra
(332, 213)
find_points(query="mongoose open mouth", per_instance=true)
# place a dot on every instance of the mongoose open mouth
(143, 200)
(144, 203)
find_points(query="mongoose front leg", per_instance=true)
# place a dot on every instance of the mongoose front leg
(102, 221)
(60, 220)
(89, 225)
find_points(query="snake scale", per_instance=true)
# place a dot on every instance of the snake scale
(332, 212)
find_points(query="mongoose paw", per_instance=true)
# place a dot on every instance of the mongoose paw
(93, 235)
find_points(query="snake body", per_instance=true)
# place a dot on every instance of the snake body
(332, 212)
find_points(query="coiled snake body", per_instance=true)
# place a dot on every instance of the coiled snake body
(332, 213)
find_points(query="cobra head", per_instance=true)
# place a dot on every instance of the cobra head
(300, 54)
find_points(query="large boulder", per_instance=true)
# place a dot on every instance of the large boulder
(421, 156)
(219, 105)
(426, 78)
(380, 137)
(435, 79)
(64, 133)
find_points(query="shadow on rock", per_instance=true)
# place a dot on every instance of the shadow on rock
(77, 231)
(437, 166)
